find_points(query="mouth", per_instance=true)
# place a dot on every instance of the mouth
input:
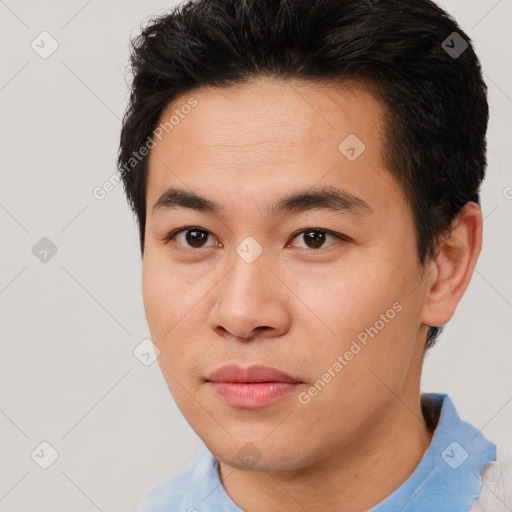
(252, 387)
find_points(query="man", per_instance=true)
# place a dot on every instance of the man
(306, 180)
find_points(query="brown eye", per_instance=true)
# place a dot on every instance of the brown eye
(315, 238)
(192, 238)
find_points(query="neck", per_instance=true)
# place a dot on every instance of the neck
(356, 477)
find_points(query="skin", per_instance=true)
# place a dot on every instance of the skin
(296, 307)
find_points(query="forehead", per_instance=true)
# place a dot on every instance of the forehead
(270, 115)
(243, 141)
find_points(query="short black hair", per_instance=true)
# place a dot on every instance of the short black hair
(422, 66)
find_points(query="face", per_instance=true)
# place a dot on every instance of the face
(299, 255)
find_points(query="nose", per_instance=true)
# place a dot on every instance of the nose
(251, 301)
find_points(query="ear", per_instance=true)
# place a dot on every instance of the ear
(453, 266)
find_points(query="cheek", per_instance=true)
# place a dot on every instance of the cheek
(169, 299)
(161, 296)
(153, 293)
(366, 316)
(347, 299)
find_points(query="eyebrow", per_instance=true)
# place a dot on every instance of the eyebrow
(327, 198)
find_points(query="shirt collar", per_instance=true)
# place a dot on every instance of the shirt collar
(448, 473)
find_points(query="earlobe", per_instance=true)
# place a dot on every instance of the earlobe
(454, 263)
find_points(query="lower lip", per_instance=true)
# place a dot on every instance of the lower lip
(252, 395)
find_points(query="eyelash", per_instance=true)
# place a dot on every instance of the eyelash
(342, 238)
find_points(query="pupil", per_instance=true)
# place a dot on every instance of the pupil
(314, 238)
(195, 237)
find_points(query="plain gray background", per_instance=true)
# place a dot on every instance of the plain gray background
(69, 325)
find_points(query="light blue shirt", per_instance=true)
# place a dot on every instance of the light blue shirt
(447, 477)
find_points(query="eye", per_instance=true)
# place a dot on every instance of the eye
(314, 238)
(189, 237)
(196, 238)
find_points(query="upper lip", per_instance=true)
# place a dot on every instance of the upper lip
(234, 373)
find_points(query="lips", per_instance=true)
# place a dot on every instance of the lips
(252, 374)
(251, 388)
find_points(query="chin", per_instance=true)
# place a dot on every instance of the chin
(260, 454)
